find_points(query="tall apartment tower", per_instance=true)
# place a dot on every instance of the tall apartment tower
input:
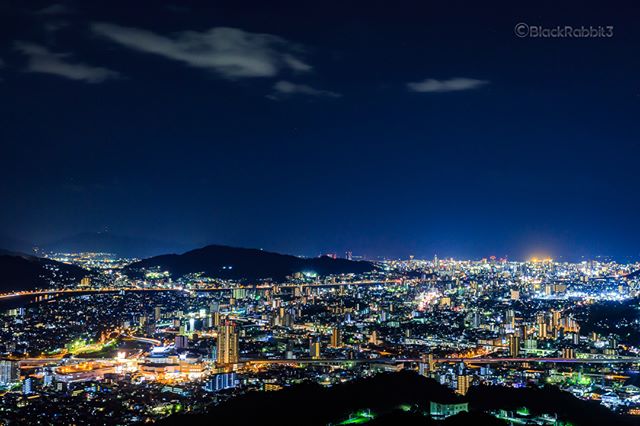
(336, 338)
(514, 345)
(314, 349)
(227, 352)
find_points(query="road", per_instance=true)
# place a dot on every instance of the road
(443, 360)
(203, 289)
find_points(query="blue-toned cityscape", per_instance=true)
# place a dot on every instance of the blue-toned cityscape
(135, 345)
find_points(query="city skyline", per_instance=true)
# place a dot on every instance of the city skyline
(323, 213)
(417, 129)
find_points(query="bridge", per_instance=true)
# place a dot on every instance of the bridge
(71, 291)
(39, 362)
(337, 361)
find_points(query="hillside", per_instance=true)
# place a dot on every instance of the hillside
(384, 394)
(251, 264)
(20, 271)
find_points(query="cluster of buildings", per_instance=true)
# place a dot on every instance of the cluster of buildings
(154, 353)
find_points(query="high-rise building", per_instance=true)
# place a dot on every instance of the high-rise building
(541, 323)
(182, 342)
(427, 365)
(157, 313)
(336, 338)
(47, 379)
(9, 372)
(514, 345)
(228, 352)
(239, 293)
(27, 386)
(314, 349)
(476, 319)
(221, 381)
(555, 320)
(510, 319)
(464, 381)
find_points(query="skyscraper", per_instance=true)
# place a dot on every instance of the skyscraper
(510, 319)
(336, 338)
(514, 345)
(227, 344)
(314, 349)
(9, 372)
(27, 386)
(541, 321)
(464, 381)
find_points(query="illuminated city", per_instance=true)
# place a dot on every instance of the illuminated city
(184, 344)
(319, 213)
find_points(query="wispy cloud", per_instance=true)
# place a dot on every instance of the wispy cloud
(55, 9)
(289, 88)
(431, 85)
(230, 52)
(44, 61)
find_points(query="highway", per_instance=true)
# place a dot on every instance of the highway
(446, 360)
(37, 362)
(54, 292)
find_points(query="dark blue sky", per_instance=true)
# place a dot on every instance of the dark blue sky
(385, 128)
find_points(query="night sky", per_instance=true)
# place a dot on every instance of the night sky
(384, 128)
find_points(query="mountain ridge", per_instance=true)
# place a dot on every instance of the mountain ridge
(21, 271)
(226, 262)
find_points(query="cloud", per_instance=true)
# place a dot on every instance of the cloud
(288, 88)
(55, 9)
(230, 52)
(44, 61)
(54, 26)
(452, 85)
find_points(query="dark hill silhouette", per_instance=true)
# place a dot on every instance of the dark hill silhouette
(548, 399)
(251, 264)
(19, 271)
(14, 244)
(399, 417)
(312, 404)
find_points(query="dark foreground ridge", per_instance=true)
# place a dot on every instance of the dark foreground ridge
(384, 394)
(234, 263)
(19, 271)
